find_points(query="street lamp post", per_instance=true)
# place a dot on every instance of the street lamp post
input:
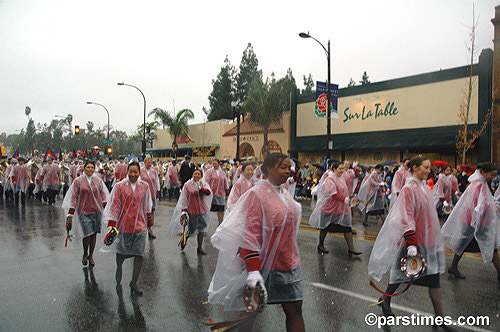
(236, 112)
(144, 126)
(91, 103)
(328, 95)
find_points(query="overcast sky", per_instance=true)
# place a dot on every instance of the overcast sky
(56, 55)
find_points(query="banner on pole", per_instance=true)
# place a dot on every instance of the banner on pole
(321, 100)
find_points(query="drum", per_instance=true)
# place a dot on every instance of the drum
(447, 209)
(413, 266)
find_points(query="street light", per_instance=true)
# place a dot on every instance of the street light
(236, 112)
(328, 112)
(144, 127)
(91, 103)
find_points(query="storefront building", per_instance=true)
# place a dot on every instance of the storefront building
(390, 120)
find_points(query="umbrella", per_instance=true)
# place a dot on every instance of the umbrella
(95, 147)
(467, 169)
(440, 163)
(389, 163)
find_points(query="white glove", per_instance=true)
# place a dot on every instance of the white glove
(69, 217)
(253, 278)
(412, 251)
(347, 201)
(445, 204)
(355, 164)
(457, 193)
(382, 184)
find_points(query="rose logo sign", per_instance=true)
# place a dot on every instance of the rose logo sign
(320, 108)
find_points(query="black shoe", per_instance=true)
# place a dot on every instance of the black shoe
(350, 253)
(322, 251)
(387, 312)
(151, 237)
(134, 289)
(91, 263)
(200, 251)
(456, 274)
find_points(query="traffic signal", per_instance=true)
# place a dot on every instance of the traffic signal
(109, 150)
(77, 130)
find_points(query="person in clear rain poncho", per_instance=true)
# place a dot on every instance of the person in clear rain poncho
(83, 205)
(399, 180)
(332, 213)
(194, 202)
(350, 176)
(443, 191)
(217, 180)
(172, 182)
(150, 175)
(20, 180)
(473, 225)
(129, 211)
(240, 186)
(257, 242)
(371, 195)
(50, 180)
(411, 228)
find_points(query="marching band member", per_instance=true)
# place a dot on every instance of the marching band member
(241, 186)
(129, 211)
(79, 168)
(412, 228)
(83, 206)
(399, 180)
(50, 180)
(371, 195)
(257, 243)
(332, 213)
(38, 191)
(120, 170)
(473, 224)
(443, 192)
(9, 186)
(350, 176)
(194, 202)
(72, 172)
(150, 175)
(20, 180)
(217, 180)
(172, 180)
(455, 186)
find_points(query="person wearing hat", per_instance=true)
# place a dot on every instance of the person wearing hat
(50, 180)
(187, 170)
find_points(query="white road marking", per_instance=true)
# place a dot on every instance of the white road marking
(394, 306)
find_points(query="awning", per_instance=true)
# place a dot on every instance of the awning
(179, 148)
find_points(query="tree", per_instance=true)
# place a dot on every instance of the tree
(177, 125)
(364, 79)
(90, 126)
(467, 137)
(265, 105)
(248, 72)
(308, 84)
(351, 83)
(287, 84)
(222, 93)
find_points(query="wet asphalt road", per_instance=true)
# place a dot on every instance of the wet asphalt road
(45, 288)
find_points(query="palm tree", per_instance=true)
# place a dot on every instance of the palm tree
(265, 105)
(177, 124)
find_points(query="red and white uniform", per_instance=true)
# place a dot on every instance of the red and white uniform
(454, 187)
(350, 177)
(172, 178)
(50, 176)
(79, 170)
(474, 216)
(72, 173)
(239, 188)
(129, 207)
(20, 178)
(371, 188)
(443, 190)
(412, 221)
(120, 171)
(217, 180)
(399, 181)
(263, 228)
(150, 176)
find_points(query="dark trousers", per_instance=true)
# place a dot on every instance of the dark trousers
(173, 192)
(39, 195)
(23, 197)
(9, 194)
(31, 187)
(51, 196)
(108, 185)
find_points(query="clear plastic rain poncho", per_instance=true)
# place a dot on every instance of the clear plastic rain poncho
(87, 198)
(443, 190)
(50, 176)
(19, 175)
(350, 179)
(129, 209)
(150, 176)
(38, 181)
(371, 193)
(399, 181)
(414, 211)
(120, 172)
(8, 185)
(197, 205)
(217, 180)
(265, 219)
(172, 177)
(331, 208)
(474, 216)
(239, 188)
